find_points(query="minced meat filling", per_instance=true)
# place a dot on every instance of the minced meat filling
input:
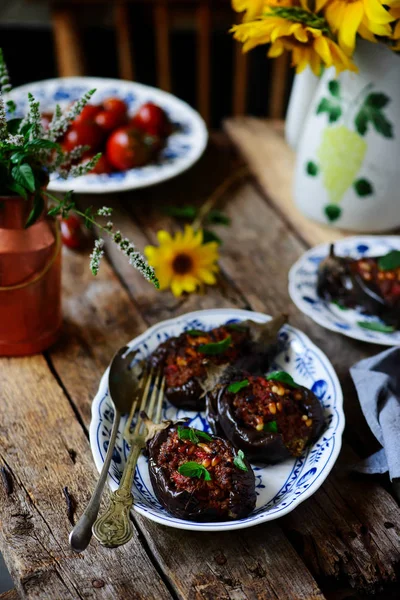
(214, 455)
(183, 361)
(388, 282)
(274, 407)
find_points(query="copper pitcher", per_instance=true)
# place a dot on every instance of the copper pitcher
(30, 279)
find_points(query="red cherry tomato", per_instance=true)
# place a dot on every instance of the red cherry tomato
(115, 105)
(127, 149)
(102, 165)
(109, 120)
(153, 120)
(82, 134)
(45, 119)
(88, 114)
(71, 232)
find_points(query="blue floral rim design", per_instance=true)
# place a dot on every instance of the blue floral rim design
(280, 487)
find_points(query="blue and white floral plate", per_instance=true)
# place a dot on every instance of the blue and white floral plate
(303, 288)
(184, 147)
(280, 488)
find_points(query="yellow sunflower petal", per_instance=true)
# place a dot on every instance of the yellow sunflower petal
(376, 13)
(353, 15)
(276, 49)
(321, 46)
(163, 237)
(207, 276)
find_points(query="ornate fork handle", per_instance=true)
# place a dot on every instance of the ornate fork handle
(114, 528)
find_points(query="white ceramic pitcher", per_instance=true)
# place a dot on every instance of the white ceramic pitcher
(348, 143)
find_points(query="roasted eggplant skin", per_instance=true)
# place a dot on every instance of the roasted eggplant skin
(360, 283)
(253, 345)
(185, 505)
(259, 446)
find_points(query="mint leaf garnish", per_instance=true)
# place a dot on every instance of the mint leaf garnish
(271, 427)
(375, 326)
(283, 377)
(194, 435)
(194, 469)
(390, 261)
(239, 461)
(237, 386)
(215, 347)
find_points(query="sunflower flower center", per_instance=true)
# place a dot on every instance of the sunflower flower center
(182, 264)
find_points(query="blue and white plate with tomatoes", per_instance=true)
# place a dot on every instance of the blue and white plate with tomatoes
(348, 321)
(183, 146)
(280, 488)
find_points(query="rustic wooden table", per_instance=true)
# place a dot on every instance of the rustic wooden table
(341, 543)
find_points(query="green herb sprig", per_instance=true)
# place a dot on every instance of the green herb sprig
(271, 427)
(235, 387)
(390, 261)
(194, 469)
(193, 435)
(376, 326)
(283, 377)
(214, 348)
(29, 154)
(239, 461)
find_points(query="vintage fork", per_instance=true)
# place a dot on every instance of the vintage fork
(114, 528)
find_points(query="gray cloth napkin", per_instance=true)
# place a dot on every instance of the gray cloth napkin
(377, 381)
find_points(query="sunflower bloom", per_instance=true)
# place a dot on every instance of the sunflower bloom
(346, 18)
(183, 262)
(255, 8)
(299, 31)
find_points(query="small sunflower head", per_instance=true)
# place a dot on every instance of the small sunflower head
(183, 262)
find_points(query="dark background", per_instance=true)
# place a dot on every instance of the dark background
(29, 52)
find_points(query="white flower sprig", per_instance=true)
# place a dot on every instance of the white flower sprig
(60, 123)
(96, 256)
(3, 119)
(136, 259)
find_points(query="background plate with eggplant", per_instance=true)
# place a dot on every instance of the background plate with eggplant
(279, 487)
(340, 290)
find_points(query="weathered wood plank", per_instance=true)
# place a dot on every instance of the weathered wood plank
(199, 575)
(43, 449)
(10, 595)
(272, 162)
(259, 233)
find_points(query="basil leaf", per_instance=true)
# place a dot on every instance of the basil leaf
(375, 326)
(194, 469)
(23, 175)
(194, 435)
(203, 435)
(195, 332)
(40, 144)
(283, 377)
(237, 386)
(390, 261)
(215, 347)
(271, 427)
(239, 461)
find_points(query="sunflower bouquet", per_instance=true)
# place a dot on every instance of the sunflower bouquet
(319, 33)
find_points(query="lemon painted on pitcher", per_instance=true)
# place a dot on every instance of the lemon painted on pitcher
(342, 150)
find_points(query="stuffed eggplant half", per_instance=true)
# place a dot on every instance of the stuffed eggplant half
(191, 361)
(373, 284)
(270, 418)
(200, 477)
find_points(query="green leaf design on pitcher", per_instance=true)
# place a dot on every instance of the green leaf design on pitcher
(363, 187)
(371, 113)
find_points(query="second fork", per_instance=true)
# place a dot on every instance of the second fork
(114, 528)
